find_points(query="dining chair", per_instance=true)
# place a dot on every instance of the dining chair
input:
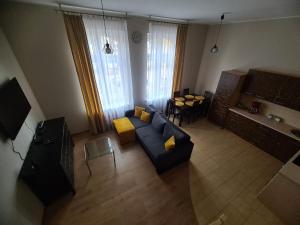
(195, 110)
(176, 94)
(206, 102)
(176, 110)
(186, 91)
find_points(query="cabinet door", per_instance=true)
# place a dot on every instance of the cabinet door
(229, 84)
(289, 94)
(276, 144)
(218, 110)
(263, 85)
(241, 126)
(262, 138)
(283, 147)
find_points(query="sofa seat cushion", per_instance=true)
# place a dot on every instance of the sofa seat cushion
(137, 123)
(152, 141)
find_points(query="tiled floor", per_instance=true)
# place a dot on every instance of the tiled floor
(224, 175)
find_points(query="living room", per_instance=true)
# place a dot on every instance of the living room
(128, 113)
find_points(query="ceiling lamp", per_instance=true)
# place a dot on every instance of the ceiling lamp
(107, 48)
(215, 48)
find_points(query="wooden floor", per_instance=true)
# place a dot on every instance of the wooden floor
(224, 175)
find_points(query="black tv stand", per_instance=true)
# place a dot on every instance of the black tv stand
(48, 167)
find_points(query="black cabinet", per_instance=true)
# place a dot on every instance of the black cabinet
(48, 167)
(273, 142)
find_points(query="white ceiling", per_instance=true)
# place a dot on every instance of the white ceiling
(204, 11)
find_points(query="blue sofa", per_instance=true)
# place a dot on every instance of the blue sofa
(153, 135)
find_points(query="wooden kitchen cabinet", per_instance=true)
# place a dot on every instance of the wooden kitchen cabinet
(282, 142)
(263, 84)
(277, 88)
(227, 95)
(289, 93)
(269, 140)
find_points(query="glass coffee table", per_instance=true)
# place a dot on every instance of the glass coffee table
(97, 148)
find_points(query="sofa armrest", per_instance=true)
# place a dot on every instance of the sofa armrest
(129, 113)
(184, 149)
(173, 157)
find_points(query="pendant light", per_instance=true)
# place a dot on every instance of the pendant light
(215, 48)
(107, 48)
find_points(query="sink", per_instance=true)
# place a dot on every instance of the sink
(296, 132)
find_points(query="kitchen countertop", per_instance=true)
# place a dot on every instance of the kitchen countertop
(278, 126)
(291, 170)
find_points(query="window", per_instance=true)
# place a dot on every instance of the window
(161, 45)
(112, 71)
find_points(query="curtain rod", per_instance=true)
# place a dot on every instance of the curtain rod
(161, 21)
(66, 8)
(84, 13)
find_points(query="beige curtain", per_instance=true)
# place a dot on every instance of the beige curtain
(179, 57)
(81, 55)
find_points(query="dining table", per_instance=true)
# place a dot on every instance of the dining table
(181, 104)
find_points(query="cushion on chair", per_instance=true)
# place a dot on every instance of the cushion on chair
(189, 96)
(181, 99)
(199, 97)
(179, 104)
(189, 103)
(158, 122)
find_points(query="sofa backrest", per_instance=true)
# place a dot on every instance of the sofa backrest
(162, 124)
(158, 122)
(150, 109)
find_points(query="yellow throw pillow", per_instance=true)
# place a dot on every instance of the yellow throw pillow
(138, 111)
(170, 143)
(145, 116)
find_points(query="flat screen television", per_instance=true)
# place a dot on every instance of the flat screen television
(14, 108)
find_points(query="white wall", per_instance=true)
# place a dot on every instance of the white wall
(271, 45)
(18, 205)
(38, 38)
(138, 58)
(194, 46)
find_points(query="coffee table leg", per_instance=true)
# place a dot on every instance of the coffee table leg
(114, 159)
(88, 166)
(87, 161)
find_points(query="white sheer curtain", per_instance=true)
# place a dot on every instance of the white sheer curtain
(161, 47)
(112, 71)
